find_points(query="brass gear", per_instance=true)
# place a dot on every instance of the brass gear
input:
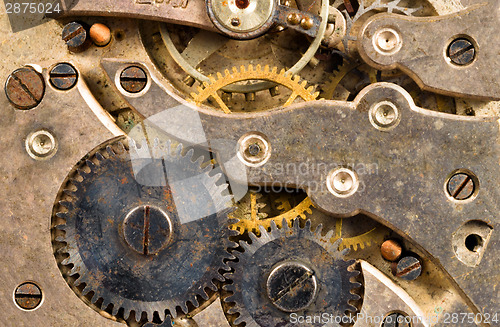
(250, 216)
(291, 82)
(250, 213)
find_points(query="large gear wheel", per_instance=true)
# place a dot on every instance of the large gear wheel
(289, 270)
(291, 82)
(145, 230)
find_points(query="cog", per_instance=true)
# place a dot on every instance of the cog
(210, 90)
(390, 7)
(288, 270)
(250, 216)
(144, 230)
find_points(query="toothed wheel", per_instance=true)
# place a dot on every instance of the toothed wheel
(260, 208)
(212, 89)
(146, 231)
(289, 271)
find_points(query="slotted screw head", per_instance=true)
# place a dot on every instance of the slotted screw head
(409, 268)
(133, 79)
(28, 296)
(461, 52)
(63, 76)
(147, 229)
(25, 88)
(76, 36)
(461, 186)
(291, 286)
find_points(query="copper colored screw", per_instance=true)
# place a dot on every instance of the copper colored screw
(391, 250)
(100, 34)
(25, 88)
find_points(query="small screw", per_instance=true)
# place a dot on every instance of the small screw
(461, 52)
(63, 76)
(396, 320)
(461, 186)
(147, 229)
(133, 79)
(25, 88)
(291, 286)
(307, 23)
(235, 22)
(391, 250)
(76, 37)
(409, 268)
(293, 19)
(28, 296)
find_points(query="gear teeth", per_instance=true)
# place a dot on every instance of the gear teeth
(318, 230)
(99, 156)
(124, 307)
(238, 312)
(183, 307)
(91, 165)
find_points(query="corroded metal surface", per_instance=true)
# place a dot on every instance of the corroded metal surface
(422, 50)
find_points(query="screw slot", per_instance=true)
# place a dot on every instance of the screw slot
(462, 185)
(63, 76)
(28, 296)
(133, 79)
(292, 286)
(461, 51)
(25, 88)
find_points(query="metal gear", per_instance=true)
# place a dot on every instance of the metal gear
(186, 62)
(250, 216)
(251, 213)
(390, 7)
(210, 90)
(287, 270)
(144, 230)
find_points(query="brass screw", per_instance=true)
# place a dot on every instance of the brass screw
(293, 19)
(307, 23)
